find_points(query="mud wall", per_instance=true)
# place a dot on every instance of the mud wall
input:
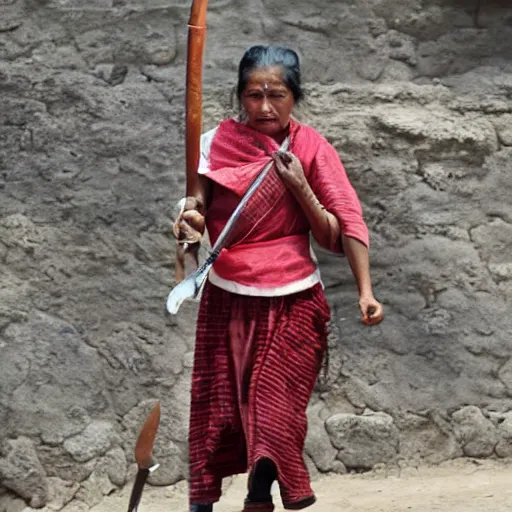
(417, 98)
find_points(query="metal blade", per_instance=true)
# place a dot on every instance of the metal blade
(182, 291)
(189, 288)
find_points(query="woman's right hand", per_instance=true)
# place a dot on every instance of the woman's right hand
(190, 225)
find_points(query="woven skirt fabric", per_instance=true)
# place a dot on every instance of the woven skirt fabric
(255, 365)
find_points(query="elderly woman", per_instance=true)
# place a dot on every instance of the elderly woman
(262, 324)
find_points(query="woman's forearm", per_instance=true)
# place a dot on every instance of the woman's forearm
(359, 260)
(201, 197)
(327, 232)
(324, 225)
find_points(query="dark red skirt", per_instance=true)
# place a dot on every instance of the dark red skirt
(256, 363)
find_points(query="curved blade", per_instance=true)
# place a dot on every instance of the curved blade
(144, 455)
(146, 439)
(188, 289)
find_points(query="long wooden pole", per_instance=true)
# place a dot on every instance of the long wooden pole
(193, 116)
(194, 94)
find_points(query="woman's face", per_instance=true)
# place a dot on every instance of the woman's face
(267, 101)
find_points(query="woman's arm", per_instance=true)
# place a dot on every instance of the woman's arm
(200, 200)
(327, 232)
(324, 225)
(359, 261)
(190, 224)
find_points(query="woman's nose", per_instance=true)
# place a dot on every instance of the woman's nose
(265, 106)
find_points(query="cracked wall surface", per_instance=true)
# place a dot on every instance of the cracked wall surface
(416, 96)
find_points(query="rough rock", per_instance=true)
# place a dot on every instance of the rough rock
(9, 502)
(318, 445)
(61, 492)
(22, 472)
(438, 132)
(93, 489)
(503, 125)
(115, 465)
(365, 440)
(59, 463)
(503, 422)
(76, 506)
(492, 241)
(95, 440)
(313, 471)
(172, 460)
(475, 432)
(429, 439)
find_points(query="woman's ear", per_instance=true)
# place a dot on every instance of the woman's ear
(234, 103)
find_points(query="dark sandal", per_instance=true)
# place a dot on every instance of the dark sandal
(299, 505)
(201, 507)
(258, 507)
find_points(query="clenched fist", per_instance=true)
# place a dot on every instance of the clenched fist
(190, 225)
(290, 170)
(371, 310)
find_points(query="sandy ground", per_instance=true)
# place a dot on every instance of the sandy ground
(461, 485)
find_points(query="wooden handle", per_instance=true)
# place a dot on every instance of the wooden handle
(194, 95)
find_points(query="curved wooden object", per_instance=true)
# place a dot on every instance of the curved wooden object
(144, 455)
(146, 439)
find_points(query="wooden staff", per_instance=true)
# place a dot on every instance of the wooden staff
(194, 95)
(194, 107)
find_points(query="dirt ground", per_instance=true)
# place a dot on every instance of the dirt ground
(461, 485)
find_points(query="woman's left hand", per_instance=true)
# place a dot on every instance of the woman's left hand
(290, 170)
(371, 309)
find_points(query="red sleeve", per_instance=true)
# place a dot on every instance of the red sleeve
(331, 185)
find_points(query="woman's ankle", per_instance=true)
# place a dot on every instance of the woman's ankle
(262, 477)
(201, 507)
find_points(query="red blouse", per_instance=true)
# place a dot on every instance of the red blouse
(271, 247)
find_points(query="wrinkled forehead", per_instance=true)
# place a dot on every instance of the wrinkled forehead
(266, 78)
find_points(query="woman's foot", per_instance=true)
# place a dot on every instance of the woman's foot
(299, 505)
(201, 507)
(258, 507)
(261, 479)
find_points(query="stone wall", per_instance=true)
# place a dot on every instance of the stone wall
(417, 98)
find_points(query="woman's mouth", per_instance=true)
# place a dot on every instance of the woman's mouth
(266, 120)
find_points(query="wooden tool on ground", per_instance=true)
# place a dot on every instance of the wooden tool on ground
(144, 456)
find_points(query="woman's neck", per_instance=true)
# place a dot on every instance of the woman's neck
(279, 137)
